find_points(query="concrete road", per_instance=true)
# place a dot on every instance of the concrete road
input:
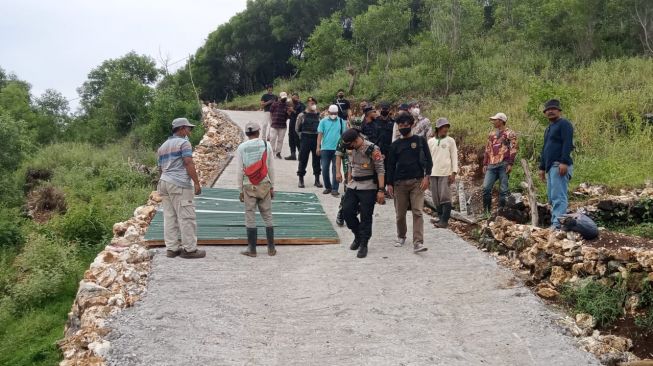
(320, 305)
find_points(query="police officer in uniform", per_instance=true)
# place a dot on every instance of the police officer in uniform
(364, 189)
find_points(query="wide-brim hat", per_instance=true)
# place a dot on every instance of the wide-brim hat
(441, 122)
(181, 122)
(553, 103)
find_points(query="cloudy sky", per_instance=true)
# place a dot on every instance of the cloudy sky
(54, 44)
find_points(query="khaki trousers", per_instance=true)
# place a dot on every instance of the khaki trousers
(257, 196)
(267, 121)
(408, 193)
(277, 135)
(178, 216)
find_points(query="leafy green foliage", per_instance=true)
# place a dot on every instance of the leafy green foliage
(604, 303)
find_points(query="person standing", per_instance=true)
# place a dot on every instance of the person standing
(363, 190)
(329, 132)
(266, 102)
(368, 128)
(422, 126)
(293, 137)
(556, 165)
(500, 154)
(306, 128)
(177, 170)
(409, 168)
(280, 112)
(384, 125)
(256, 183)
(444, 154)
(344, 107)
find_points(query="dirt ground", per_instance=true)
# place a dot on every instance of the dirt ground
(320, 305)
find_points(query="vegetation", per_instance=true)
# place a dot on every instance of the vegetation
(603, 302)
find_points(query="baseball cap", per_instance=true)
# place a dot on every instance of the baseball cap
(252, 127)
(333, 108)
(283, 95)
(384, 105)
(181, 122)
(500, 116)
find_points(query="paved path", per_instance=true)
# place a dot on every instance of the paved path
(320, 305)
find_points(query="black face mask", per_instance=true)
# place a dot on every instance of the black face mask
(405, 131)
(340, 96)
(385, 113)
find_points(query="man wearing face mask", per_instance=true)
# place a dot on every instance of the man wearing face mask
(306, 128)
(344, 107)
(329, 132)
(280, 111)
(409, 168)
(556, 165)
(384, 125)
(422, 126)
(293, 138)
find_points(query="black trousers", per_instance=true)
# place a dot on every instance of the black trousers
(362, 228)
(308, 145)
(293, 137)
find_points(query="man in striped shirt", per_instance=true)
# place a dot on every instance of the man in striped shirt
(175, 161)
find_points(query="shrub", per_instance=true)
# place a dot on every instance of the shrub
(10, 234)
(86, 224)
(604, 303)
(48, 198)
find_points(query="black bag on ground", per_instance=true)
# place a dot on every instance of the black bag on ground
(580, 223)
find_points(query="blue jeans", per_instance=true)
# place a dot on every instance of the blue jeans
(328, 157)
(495, 172)
(557, 192)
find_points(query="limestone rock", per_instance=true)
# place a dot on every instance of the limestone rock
(559, 276)
(100, 348)
(585, 321)
(91, 294)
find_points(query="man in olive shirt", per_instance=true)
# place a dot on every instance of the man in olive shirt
(364, 189)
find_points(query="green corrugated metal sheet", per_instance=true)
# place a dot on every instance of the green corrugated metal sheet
(298, 219)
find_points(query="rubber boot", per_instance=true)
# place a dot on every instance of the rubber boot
(446, 214)
(269, 233)
(251, 243)
(362, 251)
(301, 182)
(317, 182)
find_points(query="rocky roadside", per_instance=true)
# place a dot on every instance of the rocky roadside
(118, 276)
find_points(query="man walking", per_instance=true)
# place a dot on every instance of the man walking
(177, 170)
(500, 153)
(280, 112)
(329, 132)
(256, 183)
(556, 166)
(293, 137)
(409, 168)
(306, 128)
(363, 190)
(422, 126)
(444, 154)
(344, 107)
(266, 102)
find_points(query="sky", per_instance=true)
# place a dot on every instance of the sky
(54, 44)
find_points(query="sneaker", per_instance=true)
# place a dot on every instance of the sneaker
(278, 156)
(419, 247)
(291, 157)
(326, 191)
(195, 254)
(248, 253)
(335, 194)
(173, 253)
(400, 242)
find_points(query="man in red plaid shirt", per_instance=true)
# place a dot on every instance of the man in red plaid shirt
(500, 153)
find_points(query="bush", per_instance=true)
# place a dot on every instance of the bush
(604, 303)
(84, 224)
(10, 234)
(48, 198)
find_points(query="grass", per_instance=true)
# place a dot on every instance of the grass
(604, 303)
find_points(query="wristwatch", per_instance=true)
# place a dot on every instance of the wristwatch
(381, 190)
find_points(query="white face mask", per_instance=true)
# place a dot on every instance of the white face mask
(313, 107)
(415, 112)
(332, 116)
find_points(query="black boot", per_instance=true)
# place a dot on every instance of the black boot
(444, 218)
(269, 233)
(301, 182)
(340, 221)
(317, 182)
(355, 244)
(251, 243)
(291, 157)
(362, 251)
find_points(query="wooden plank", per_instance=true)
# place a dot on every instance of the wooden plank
(532, 197)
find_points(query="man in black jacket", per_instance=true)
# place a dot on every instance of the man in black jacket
(293, 138)
(409, 169)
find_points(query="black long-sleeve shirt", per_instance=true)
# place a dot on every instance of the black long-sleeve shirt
(405, 162)
(558, 144)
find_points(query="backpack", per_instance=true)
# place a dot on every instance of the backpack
(580, 223)
(259, 170)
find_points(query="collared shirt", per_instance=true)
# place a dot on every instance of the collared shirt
(422, 127)
(279, 114)
(170, 158)
(501, 146)
(558, 144)
(331, 130)
(362, 164)
(250, 152)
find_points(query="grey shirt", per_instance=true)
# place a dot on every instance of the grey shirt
(170, 158)
(361, 164)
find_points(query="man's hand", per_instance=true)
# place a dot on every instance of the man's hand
(424, 185)
(272, 193)
(484, 169)
(542, 176)
(508, 169)
(198, 190)
(391, 190)
(380, 198)
(452, 178)
(562, 168)
(317, 151)
(242, 197)
(339, 177)
(376, 155)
